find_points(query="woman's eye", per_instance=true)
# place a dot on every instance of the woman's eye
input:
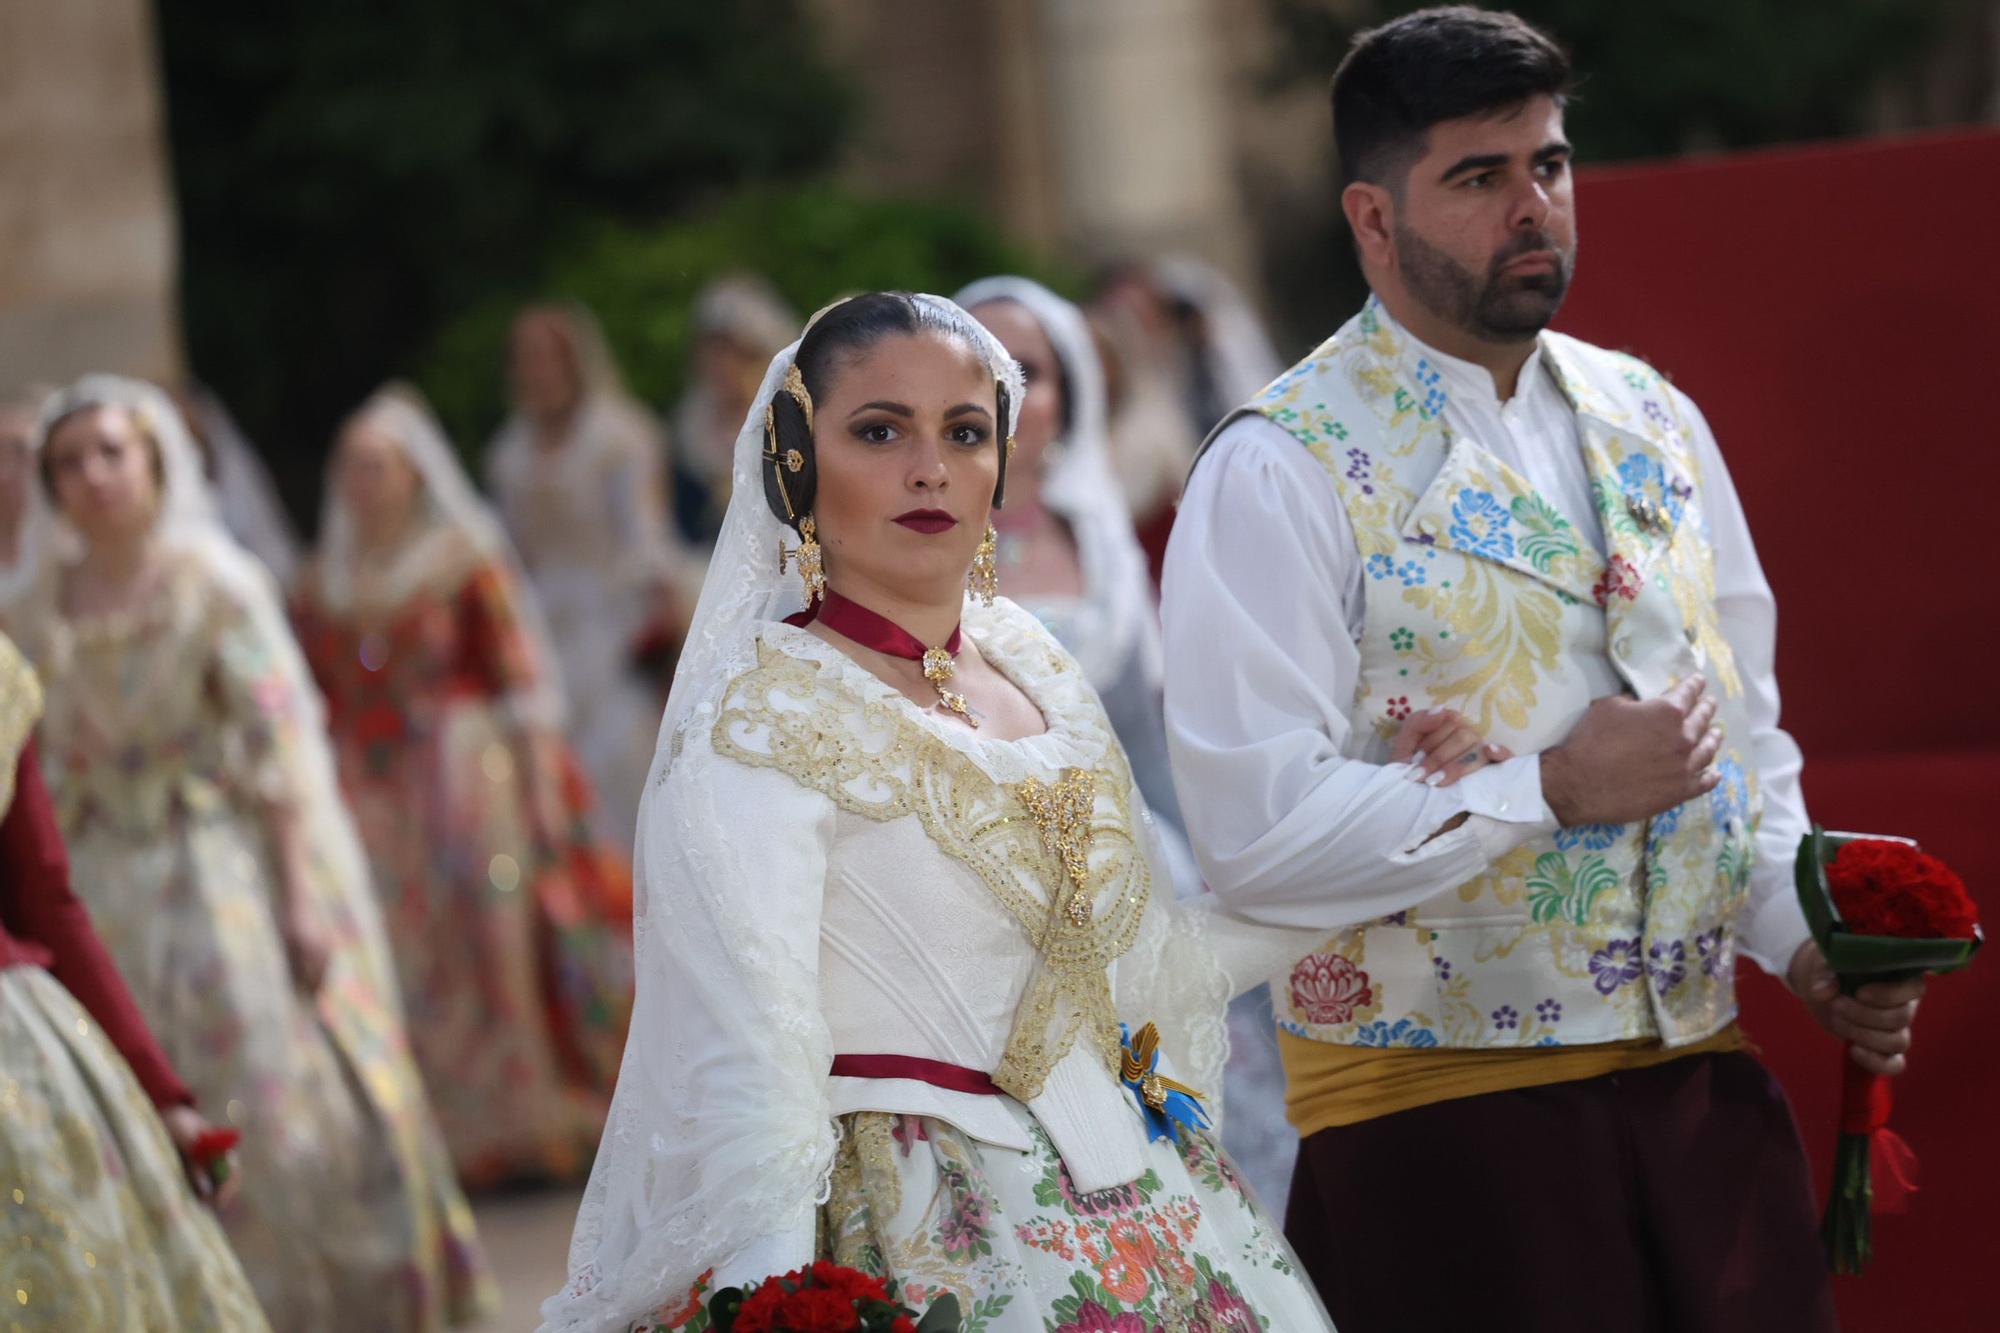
(968, 435)
(876, 432)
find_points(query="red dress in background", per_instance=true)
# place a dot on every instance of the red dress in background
(512, 938)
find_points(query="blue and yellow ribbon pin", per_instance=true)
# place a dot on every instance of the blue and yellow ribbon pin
(1162, 1101)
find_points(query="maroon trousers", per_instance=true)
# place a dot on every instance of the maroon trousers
(1673, 1199)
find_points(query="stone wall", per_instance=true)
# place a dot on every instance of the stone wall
(87, 238)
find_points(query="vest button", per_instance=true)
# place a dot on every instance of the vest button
(1622, 646)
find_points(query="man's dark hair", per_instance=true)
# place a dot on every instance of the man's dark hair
(1437, 64)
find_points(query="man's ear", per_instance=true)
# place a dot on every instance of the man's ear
(1371, 216)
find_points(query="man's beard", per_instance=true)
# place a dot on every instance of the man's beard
(1501, 308)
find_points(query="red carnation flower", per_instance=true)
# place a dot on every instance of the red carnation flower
(759, 1311)
(1891, 888)
(819, 1310)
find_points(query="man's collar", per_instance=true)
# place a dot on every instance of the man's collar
(1465, 380)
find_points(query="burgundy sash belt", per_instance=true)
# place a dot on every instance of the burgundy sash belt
(952, 1078)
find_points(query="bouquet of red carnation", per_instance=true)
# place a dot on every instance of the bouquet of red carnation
(1880, 910)
(826, 1298)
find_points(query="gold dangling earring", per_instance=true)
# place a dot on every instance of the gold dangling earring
(984, 576)
(812, 564)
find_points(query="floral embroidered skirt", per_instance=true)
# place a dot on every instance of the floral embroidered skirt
(1183, 1249)
(98, 1228)
(348, 1216)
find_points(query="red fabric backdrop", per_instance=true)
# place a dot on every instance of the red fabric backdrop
(1835, 311)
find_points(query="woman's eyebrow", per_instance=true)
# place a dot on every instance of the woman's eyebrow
(883, 405)
(963, 408)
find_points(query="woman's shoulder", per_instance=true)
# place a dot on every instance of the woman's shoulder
(1017, 641)
(792, 673)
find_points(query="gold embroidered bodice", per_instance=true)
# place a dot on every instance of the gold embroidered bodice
(1046, 825)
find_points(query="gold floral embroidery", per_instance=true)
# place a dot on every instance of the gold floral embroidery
(1062, 812)
(20, 709)
(872, 759)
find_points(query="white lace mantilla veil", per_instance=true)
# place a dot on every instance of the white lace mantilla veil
(453, 514)
(1078, 484)
(188, 524)
(694, 1167)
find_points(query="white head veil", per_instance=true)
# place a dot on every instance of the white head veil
(454, 518)
(1078, 484)
(746, 309)
(188, 525)
(681, 1183)
(245, 496)
(744, 585)
(1240, 354)
(31, 535)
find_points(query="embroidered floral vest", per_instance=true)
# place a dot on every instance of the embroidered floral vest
(1481, 596)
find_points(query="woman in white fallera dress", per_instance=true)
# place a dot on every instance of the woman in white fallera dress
(898, 894)
(577, 473)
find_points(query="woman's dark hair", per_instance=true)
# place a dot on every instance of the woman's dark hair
(1437, 64)
(791, 472)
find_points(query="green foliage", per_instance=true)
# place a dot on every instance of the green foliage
(815, 242)
(1674, 75)
(350, 176)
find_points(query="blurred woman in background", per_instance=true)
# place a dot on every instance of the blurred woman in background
(740, 322)
(578, 475)
(511, 927)
(185, 751)
(100, 1226)
(1066, 551)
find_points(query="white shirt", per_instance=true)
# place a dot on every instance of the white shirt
(1262, 667)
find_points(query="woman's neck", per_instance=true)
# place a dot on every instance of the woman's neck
(117, 560)
(930, 620)
(375, 543)
(553, 429)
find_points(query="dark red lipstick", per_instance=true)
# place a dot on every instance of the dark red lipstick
(930, 521)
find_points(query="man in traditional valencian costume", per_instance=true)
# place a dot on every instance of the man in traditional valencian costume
(1515, 1062)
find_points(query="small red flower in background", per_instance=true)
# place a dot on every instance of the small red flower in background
(212, 1145)
(1399, 707)
(1891, 888)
